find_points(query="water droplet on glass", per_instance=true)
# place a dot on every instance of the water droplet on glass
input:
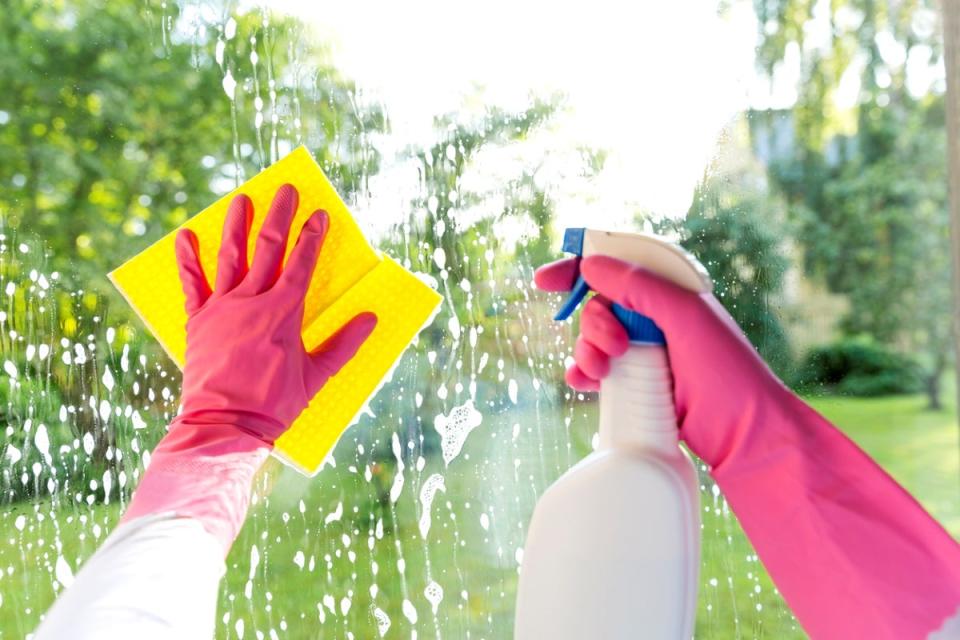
(229, 84)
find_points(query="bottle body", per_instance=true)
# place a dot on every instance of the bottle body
(613, 550)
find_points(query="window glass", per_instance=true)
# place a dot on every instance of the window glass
(797, 148)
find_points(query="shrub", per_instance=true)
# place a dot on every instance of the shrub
(858, 367)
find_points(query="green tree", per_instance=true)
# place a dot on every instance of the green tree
(436, 222)
(451, 232)
(743, 251)
(866, 187)
(735, 228)
(838, 37)
(882, 240)
(110, 136)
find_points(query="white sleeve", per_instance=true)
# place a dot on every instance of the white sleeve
(950, 629)
(155, 577)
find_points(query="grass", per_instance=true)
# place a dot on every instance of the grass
(335, 553)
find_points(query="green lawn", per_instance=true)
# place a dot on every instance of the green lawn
(343, 565)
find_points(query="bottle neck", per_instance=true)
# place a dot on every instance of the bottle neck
(636, 401)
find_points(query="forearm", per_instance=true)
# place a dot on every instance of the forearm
(204, 472)
(246, 378)
(158, 573)
(854, 555)
(155, 577)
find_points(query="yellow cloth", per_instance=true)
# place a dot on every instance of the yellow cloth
(351, 277)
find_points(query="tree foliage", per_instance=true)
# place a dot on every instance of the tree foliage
(735, 232)
(444, 198)
(870, 205)
(109, 137)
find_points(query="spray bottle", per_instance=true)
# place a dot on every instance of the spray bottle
(613, 550)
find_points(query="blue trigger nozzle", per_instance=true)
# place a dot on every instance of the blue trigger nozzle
(639, 327)
(573, 240)
(573, 243)
(577, 294)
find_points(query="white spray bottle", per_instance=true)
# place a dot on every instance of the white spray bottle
(613, 550)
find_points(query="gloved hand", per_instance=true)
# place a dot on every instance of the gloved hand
(854, 555)
(245, 362)
(247, 374)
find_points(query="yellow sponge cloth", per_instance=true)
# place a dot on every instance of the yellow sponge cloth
(351, 277)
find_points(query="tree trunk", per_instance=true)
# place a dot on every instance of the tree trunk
(934, 380)
(933, 390)
(951, 41)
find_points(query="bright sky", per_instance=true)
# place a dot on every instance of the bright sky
(654, 83)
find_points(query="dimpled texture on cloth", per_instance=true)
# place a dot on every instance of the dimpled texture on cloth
(854, 555)
(350, 278)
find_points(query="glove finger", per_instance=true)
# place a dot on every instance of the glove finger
(591, 360)
(599, 326)
(664, 302)
(303, 259)
(580, 381)
(196, 290)
(232, 256)
(557, 276)
(336, 351)
(272, 241)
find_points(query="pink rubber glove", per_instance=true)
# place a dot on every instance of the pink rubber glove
(247, 374)
(854, 555)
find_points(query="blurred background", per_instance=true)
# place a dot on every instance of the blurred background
(796, 146)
